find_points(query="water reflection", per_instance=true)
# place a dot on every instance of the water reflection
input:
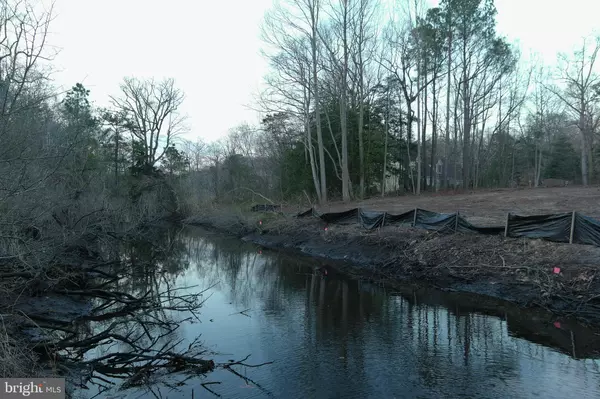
(332, 337)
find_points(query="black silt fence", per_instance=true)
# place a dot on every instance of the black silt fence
(435, 221)
(586, 230)
(570, 227)
(555, 228)
(406, 218)
(346, 217)
(371, 219)
(465, 227)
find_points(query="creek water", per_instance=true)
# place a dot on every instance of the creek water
(334, 337)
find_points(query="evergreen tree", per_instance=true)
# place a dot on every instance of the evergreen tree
(564, 162)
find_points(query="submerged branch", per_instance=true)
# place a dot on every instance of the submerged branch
(243, 312)
(140, 326)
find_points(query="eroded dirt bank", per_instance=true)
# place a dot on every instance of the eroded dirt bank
(522, 271)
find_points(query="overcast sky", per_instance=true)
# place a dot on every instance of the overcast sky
(212, 47)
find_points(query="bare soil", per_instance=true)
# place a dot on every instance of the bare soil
(485, 207)
(561, 278)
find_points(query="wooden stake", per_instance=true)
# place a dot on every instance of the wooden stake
(415, 218)
(572, 228)
(506, 226)
(456, 221)
(383, 220)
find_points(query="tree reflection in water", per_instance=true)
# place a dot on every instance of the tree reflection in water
(336, 337)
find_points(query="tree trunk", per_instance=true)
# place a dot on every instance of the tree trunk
(339, 161)
(584, 165)
(434, 122)
(343, 111)
(584, 147)
(590, 155)
(479, 153)
(466, 133)
(474, 127)
(311, 155)
(116, 157)
(369, 143)
(590, 161)
(306, 143)
(410, 172)
(315, 85)
(385, 143)
(512, 169)
(409, 127)
(424, 131)
(418, 189)
(455, 143)
(361, 149)
(361, 113)
(368, 140)
(217, 179)
(344, 128)
(539, 168)
(447, 145)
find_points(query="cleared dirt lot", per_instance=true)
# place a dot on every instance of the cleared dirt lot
(489, 207)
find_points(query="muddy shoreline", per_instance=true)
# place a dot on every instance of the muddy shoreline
(519, 271)
(363, 260)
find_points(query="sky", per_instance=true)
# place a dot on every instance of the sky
(212, 48)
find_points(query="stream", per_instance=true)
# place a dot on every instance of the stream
(335, 337)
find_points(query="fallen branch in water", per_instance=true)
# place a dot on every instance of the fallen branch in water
(130, 329)
(241, 363)
(125, 335)
(243, 312)
(204, 385)
(228, 366)
(247, 380)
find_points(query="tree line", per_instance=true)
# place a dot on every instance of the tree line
(362, 100)
(71, 172)
(359, 100)
(76, 181)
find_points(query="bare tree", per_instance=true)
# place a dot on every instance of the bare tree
(216, 155)
(364, 41)
(302, 18)
(340, 27)
(151, 114)
(448, 97)
(196, 152)
(114, 129)
(580, 95)
(542, 108)
(288, 88)
(401, 63)
(447, 56)
(244, 138)
(30, 155)
(313, 8)
(23, 34)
